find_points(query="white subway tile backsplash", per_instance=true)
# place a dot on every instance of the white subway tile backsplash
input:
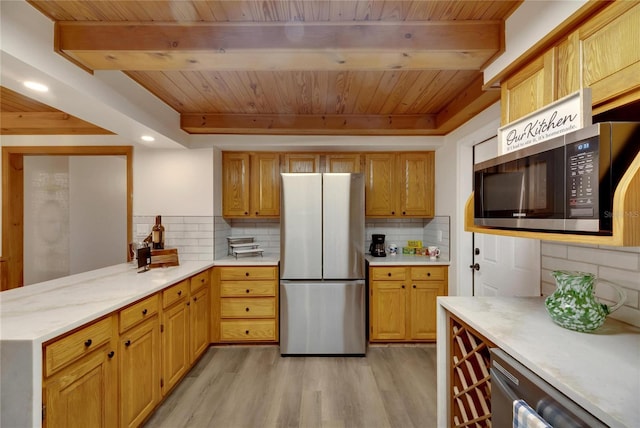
(597, 256)
(193, 236)
(553, 250)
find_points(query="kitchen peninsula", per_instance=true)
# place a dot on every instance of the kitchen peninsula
(34, 315)
(599, 371)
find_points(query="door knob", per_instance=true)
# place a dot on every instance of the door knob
(475, 266)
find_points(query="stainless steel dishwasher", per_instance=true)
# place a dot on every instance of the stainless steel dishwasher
(511, 381)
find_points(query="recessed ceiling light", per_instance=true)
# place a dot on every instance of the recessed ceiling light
(36, 86)
(147, 138)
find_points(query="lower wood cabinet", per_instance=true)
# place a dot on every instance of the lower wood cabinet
(114, 371)
(80, 386)
(246, 306)
(402, 304)
(140, 365)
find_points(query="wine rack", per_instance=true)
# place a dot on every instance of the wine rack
(470, 379)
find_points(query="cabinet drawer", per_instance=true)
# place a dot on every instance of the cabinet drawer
(247, 288)
(247, 330)
(250, 307)
(428, 273)
(174, 293)
(137, 312)
(200, 280)
(388, 273)
(248, 272)
(66, 350)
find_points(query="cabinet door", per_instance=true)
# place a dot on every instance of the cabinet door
(199, 325)
(235, 184)
(529, 89)
(175, 344)
(423, 309)
(388, 310)
(265, 184)
(380, 185)
(343, 163)
(417, 184)
(139, 372)
(84, 394)
(303, 162)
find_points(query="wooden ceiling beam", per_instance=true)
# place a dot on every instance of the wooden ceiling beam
(276, 46)
(276, 124)
(46, 123)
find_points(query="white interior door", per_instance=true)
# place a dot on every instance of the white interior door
(502, 265)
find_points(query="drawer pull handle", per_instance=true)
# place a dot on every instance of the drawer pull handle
(111, 354)
(247, 290)
(180, 293)
(246, 309)
(88, 343)
(127, 343)
(144, 312)
(246, 332)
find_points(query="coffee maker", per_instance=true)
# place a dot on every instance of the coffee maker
(377, 246)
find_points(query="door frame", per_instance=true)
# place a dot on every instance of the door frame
(13, 199)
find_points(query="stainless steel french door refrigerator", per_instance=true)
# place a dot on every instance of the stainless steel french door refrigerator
(322, 287)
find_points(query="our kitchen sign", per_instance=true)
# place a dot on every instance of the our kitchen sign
(565, 115)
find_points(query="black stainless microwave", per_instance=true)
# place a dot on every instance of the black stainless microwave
(565, 184)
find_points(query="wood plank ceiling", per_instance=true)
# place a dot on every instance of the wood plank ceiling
(359, 67)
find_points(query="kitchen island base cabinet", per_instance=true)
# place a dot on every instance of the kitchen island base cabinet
(140, 370)
(403, 302)
(80, 386)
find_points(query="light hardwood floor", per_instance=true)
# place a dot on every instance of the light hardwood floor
(253, 387)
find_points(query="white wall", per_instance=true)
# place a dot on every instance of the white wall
(174, 182)
(454, 179)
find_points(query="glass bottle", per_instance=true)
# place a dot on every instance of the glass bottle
(157, 234)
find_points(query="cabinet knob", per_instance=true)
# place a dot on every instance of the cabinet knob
(428, 273)
(393, 213)
(88, 343)
(144, 312)
(127, 343)
(246, 309)
(247, 290)
(388, 273)
(111, 354)
(195, 298)
(402, 285)
(246, 213)
(202, 280)
(404, 213)
(414, 286)
(180, 293)
(256, 212)
(188, 303)
(246, 332)
(246, 274)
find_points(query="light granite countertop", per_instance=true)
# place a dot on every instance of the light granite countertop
(405, 260)
(600, 371)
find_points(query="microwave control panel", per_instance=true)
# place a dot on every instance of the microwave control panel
(582, 179)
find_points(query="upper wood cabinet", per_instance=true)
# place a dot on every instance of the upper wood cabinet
(343, 162)
(301, 162)
(602, 53)
(399, 185)
(250, 184)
